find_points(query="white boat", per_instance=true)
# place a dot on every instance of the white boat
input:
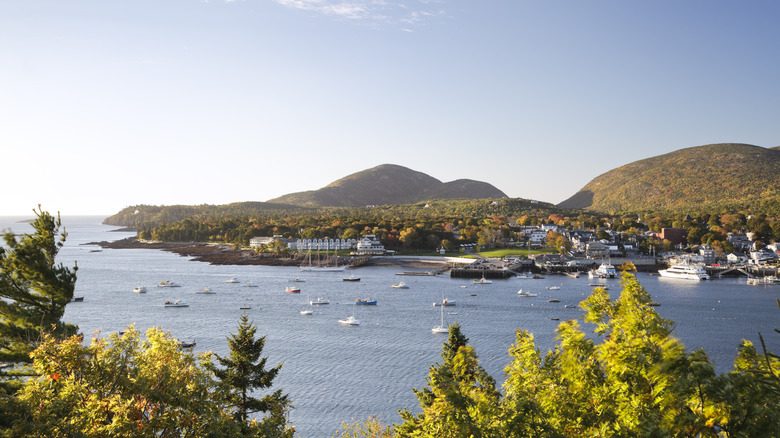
(232, 280)
(298, 280)
(526, 276)
(140, 289)
(444, 303)
(350, 320)
(400, 285)
(553, 287)
(168, 284)
(205, 291)
(605, 270)
(482, 280)
(307, 311)
(441, 328)
(318, 301)
(523, 293)
(685, 271)
(177, 303)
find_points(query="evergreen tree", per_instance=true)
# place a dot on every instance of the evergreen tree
(461, 399)
(244, 371)
(33, 292)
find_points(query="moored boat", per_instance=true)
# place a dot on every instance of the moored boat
(139, 289)
(685, 272)
(168, 284)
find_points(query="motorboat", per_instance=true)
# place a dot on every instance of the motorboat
(139, 289)
(685, 271)
(482, 280)
(250, 284)
(307, 312)
(365, 302)
(553, 287)
(78, 299)
(232, 280)
(168, 284)
(526, 276)
(605, 270)
(298, 280)
(177, 303)
(205, 291)
(349, 321)
(444, 303)
(318, 301)
(553, 300)
(400, 285)
(351, 278)
(523, 293)
(184, 344)
(292, 289)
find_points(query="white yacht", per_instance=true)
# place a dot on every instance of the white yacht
(605, 270)
(140, 289)
(687, 272)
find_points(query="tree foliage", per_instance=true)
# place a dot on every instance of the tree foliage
(34, 290)
(120, 386)
(244, 371)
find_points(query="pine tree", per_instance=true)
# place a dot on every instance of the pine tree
(33, 291)
(461, 399)
(244, 371)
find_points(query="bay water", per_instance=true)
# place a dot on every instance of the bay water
(336, 373)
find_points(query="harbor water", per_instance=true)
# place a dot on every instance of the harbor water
(336, 373)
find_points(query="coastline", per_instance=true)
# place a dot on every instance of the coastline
(224, 254)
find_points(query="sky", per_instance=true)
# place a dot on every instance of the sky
(110, 104)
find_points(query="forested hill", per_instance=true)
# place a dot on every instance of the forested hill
(693, 178)
(388, 184)
(153, 215)
(136, 215)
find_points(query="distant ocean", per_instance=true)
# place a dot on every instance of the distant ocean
(335, 373)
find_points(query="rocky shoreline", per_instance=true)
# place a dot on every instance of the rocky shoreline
(224, 254)
(215, 254)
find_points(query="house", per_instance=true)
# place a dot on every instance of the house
(596, 250)
(370, 245)
(536, 237)
(257, 242)
(322, 244)
(708, 253)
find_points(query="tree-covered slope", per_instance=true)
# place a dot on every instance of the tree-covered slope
(696, 177)
(388, 184)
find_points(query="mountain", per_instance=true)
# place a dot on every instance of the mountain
(388, 184)
(696, 177)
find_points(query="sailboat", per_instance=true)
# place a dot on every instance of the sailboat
(309, 266)
(441, 328)
(307, 311)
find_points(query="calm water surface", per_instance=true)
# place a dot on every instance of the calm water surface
(335, 373)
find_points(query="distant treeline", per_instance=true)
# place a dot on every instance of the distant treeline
(433, 224)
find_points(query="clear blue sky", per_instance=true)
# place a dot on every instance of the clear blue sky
(106, 104)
